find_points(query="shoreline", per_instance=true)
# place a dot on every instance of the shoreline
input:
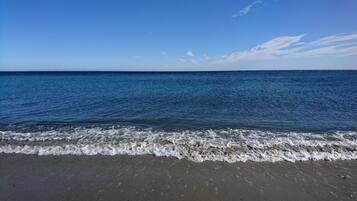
(229, 145)
(124, 177)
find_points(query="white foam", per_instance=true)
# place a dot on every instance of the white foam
(230, 145)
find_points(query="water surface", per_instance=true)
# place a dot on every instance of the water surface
(228, 116)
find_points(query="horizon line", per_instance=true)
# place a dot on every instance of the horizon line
(167, 71)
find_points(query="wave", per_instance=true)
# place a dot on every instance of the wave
(229, 145)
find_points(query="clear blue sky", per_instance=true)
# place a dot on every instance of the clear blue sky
(177, 34)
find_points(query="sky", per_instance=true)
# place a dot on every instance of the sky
(177, 35)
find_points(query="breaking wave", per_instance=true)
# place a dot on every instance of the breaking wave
(229, 145)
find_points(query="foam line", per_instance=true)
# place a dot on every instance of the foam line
(230, 145)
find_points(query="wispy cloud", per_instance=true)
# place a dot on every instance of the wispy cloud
(295, 47)
(190, 53)
(246, 9)
(337, 38)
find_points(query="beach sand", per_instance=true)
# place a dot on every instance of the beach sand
(30, 177)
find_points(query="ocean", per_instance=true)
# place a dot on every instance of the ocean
(262, 116)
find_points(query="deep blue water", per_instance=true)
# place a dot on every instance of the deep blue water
(279, 100)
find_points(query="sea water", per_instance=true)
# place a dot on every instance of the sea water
(199, 116)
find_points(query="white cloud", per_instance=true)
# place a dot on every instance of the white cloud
(246, 9)
(266, 50)
(294, 47)
(190, 53)
(336, 39)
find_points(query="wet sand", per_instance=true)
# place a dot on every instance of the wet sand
(37, 178)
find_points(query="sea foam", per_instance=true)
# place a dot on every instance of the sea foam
(229, 145)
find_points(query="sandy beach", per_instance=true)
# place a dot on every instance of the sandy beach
(30, 177)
